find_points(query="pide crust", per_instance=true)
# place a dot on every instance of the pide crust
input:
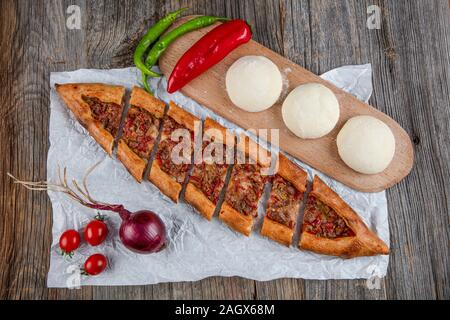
(276, 231)
(72, 93)
(298, 178)
(345, 247)
(134, 163)
(292, 173)
(181, 116)
(164, 182)
(238, 221)
(195, 196)
(141, 98)
(364, 243)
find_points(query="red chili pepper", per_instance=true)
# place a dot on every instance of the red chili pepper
(236, 187)
(329, 226)
(209, 50)
(213, 186)
(195, 178)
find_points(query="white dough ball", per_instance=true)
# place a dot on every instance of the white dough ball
(254, 83)
(366, 144)
(310, 111)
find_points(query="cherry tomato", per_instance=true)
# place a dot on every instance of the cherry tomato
(95, 232)
(69, 241)
(95, 264)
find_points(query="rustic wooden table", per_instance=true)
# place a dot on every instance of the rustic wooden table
(410, 60)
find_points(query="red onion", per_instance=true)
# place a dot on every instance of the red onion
(141, 232)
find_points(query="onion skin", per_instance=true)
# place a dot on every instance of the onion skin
(142, 231)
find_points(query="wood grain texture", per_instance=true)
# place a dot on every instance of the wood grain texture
(209, 90)
(410, 61)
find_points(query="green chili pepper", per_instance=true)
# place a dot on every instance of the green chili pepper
(145, 83)
(167, 39)
(152, 34)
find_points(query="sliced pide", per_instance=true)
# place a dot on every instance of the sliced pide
(286, 195)
(245, 187)
(331, 227)
(168, 173)
(208, 177)
(98, 107)
(140, 130)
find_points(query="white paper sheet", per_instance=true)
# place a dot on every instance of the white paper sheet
(196, 248)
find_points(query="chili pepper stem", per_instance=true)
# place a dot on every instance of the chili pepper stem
(150, 72)
(145, 83)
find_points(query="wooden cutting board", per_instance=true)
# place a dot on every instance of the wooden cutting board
(209, 90)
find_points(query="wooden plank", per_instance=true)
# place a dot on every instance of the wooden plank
(413, 70)
(209, 90)
(409, 56)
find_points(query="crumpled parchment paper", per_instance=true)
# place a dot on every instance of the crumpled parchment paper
(196, 248)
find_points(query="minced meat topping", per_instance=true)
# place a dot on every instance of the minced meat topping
(245, 188)
(164, 153)
(284, 202)
(107, 113)
(323, 221)
(140, 131)
(209, 177)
